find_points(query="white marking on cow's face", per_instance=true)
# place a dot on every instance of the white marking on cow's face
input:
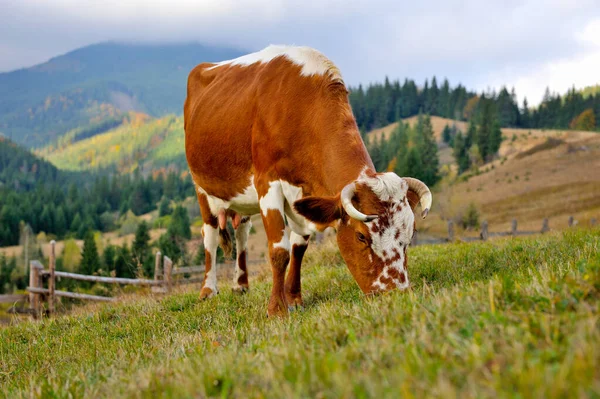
(392, 231)
(312, 61)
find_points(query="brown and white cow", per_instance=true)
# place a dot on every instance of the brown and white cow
(272, 133)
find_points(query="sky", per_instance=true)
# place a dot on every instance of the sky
(483, 44)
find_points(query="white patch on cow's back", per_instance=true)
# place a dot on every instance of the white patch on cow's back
(312, 61)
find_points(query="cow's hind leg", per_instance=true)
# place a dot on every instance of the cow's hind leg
(210, 231)
(293, 289)
(271, 205)
(240, 278)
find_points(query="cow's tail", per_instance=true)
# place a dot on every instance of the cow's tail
(226, 243)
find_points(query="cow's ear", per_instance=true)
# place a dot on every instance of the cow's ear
(322, 210)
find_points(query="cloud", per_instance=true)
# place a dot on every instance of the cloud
(530, 44)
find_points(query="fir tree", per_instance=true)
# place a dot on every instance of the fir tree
(108, 258)
(460, 153)
(140, 249)
(427, 151)
(90, 260)
(164, 208)
(124, 265)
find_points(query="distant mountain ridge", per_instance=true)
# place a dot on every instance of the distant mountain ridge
(87, 85)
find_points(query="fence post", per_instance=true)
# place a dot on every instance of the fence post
(484, 230)
(157, 266)
(513, 230)
(168, 268)
(545, 226)
(571, 221)
(52, 281)
(450, 230)
(593, 221)
(34, 282)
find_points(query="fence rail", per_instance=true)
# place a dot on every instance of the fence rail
(163, 282)
(485, 234)
(13, 298)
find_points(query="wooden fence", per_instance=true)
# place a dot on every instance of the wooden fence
(165, 277)
(485, 234)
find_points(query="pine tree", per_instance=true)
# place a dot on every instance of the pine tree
(460, 153)
(180, 223)
(446, 134)
(90, 260)
(141, 249)
(76, 223)
(525, 117)
(427, 151)
(108, 258)
(164, 207)
(60, 222)
(402, 140)
(413, 163)
(124, 265)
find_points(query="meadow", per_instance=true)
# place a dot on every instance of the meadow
(507, 318)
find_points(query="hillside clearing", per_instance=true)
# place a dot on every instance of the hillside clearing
(540, 173)
(530, 331)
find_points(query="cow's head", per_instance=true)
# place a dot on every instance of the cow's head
(375, 226)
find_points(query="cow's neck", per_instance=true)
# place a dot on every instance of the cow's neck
(344, 156)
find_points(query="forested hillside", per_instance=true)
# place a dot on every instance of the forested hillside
(379, 104)
(102, 81)
(35, 193)
(140, 142)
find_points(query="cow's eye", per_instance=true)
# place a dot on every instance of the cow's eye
(361, 237)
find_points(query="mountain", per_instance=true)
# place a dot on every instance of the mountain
(93, 84)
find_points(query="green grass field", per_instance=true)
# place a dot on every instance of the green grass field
(510, 318)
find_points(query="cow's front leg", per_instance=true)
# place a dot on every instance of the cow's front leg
(271, 205)
(293, 288)
(210, 231)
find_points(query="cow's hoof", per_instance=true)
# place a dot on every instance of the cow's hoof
(278, 312)
(295, 307)
(240, 289)
(206, 293)
(294, 300)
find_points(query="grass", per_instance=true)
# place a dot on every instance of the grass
(508, 318)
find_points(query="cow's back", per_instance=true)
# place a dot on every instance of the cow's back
(280, 118)
(218, 115)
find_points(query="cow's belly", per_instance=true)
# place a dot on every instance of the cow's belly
(247, 204)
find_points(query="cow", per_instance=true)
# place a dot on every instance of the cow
(272, 133)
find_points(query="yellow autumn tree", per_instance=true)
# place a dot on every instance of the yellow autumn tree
(470, 107)
(584, 121)
(71, 255)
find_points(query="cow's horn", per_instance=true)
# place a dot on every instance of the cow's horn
(422, 191)
(346, 196)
